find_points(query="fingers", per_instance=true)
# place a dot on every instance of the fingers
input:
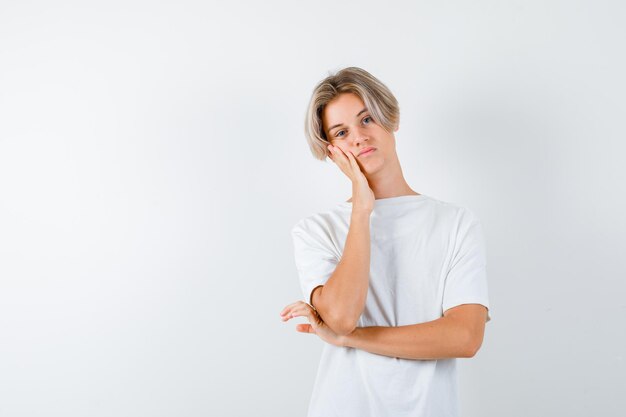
(284, 310)
(342, 160)
(336, 150)
(353, 161)
(302, 310)
(299, 308)
(334, 154)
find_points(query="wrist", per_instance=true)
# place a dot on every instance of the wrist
(360, 214)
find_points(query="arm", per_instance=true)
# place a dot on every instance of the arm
(458, 334)
(341, 300)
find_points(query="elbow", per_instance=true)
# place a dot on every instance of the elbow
(342, 327)
(472, 347)
(470, 352)
(337, 324)
(346, 329)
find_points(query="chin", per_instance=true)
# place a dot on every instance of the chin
(372, 166)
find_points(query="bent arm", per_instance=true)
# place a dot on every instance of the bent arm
(459, 334)
(341, 300)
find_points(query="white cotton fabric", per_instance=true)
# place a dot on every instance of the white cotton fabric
(426, 257)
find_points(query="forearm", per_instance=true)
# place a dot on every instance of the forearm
(342, 299)
(438, 339)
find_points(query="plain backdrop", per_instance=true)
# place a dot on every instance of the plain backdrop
(153, 162)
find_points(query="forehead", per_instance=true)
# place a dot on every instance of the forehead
(342, 109)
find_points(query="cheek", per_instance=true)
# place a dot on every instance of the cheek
(338, 144)
(344, 149)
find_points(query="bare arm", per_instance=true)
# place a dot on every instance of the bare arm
(459, 334)
(341, 300)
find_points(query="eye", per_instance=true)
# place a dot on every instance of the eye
(368, 118)
(338, 133)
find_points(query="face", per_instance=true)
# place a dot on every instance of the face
(349, 125)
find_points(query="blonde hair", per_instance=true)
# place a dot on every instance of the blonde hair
(378, 99)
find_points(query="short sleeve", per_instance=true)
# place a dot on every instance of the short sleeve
(315, 260)
(466, 279)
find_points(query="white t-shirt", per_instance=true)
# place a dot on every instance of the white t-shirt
(426, 257)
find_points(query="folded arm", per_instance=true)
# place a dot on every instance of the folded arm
(341, 300)
(458, 334)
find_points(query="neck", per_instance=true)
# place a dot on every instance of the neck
(389, 183)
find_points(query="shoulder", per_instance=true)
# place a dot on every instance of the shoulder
(457, 215)
(317, 223)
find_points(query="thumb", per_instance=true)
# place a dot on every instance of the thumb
(305, 328)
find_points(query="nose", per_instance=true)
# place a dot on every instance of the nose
(359, 136)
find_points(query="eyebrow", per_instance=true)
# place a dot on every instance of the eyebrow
(339, 124)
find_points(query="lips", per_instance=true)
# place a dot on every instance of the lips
(367, 150)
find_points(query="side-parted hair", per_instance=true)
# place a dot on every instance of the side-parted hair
(378, 99)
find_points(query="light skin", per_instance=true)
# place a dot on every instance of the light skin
(350, 128)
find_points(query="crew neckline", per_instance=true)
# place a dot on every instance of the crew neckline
(389, 200)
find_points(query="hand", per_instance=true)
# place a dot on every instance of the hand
(316, 324)
(362, 195)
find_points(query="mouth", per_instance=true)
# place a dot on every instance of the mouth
(367, 151)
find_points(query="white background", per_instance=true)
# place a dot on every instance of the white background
(153, 162)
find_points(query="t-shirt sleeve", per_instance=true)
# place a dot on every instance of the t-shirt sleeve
(466, 280)
(315, 260)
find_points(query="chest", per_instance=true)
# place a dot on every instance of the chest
(406, 279)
